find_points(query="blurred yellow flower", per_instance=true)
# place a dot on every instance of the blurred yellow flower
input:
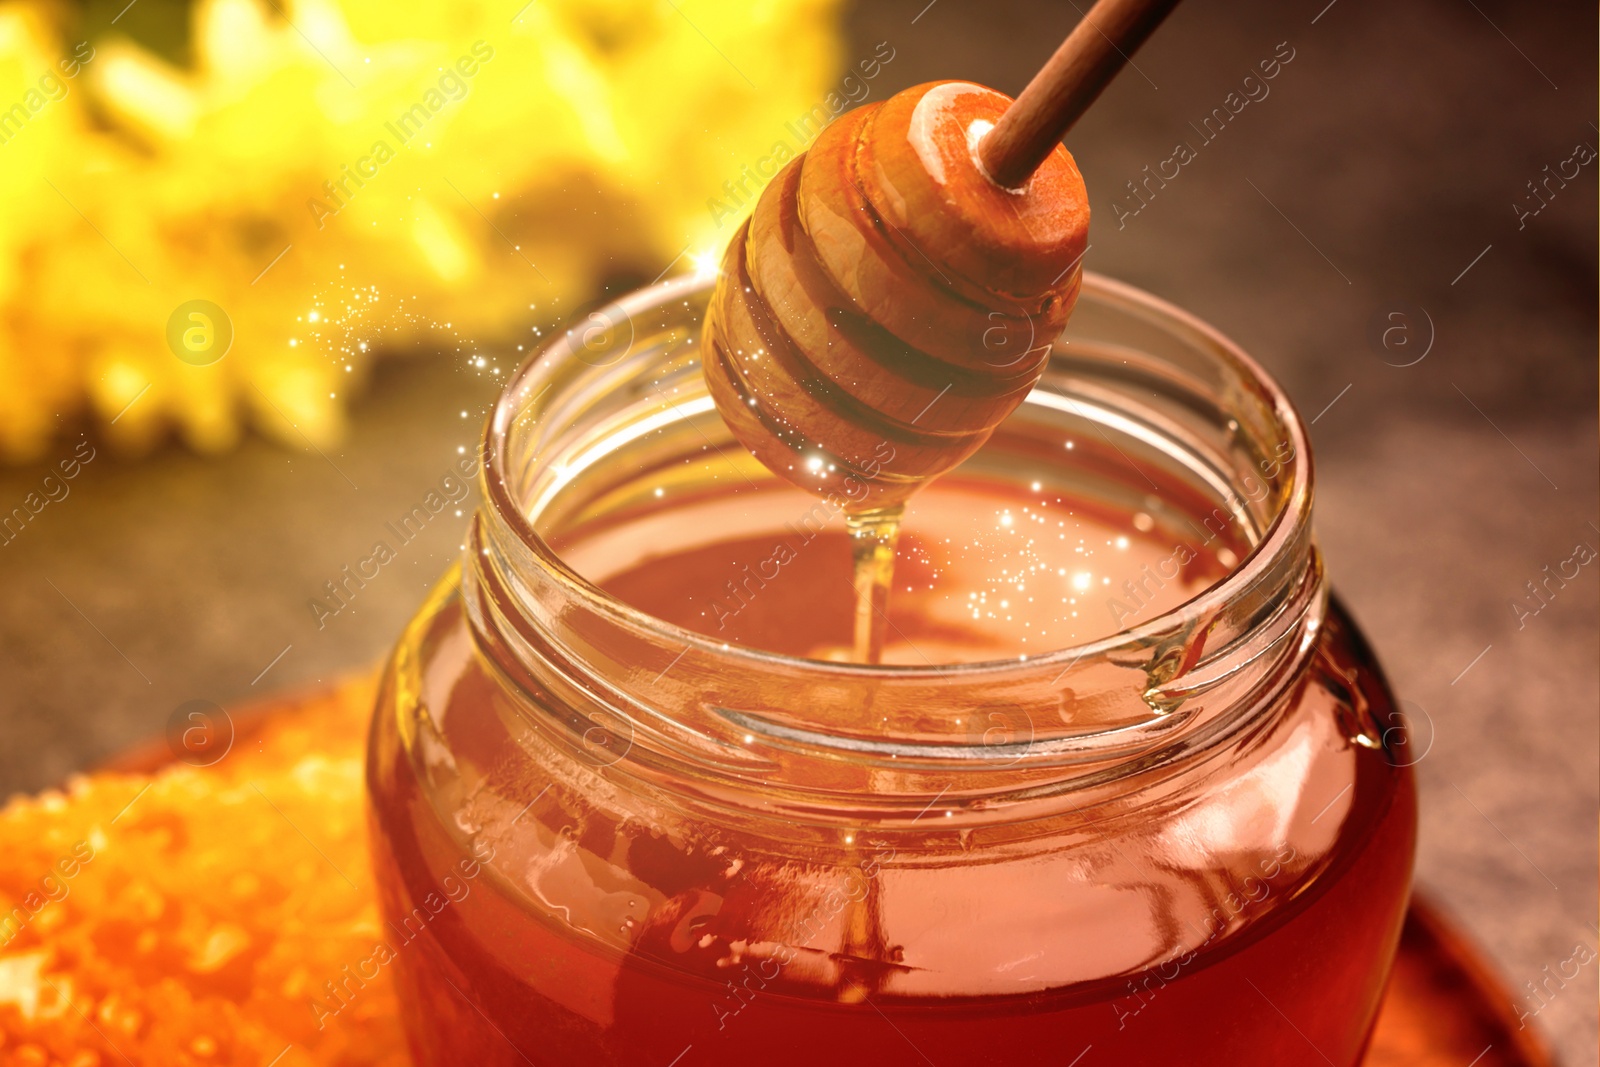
(341, 177)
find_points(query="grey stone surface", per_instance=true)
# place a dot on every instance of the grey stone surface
(1385, 159)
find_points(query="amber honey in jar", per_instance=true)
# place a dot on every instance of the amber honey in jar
(1126, 788)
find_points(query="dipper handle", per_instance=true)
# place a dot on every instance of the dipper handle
(1066, 85)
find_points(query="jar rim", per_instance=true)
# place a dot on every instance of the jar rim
(1285, 535)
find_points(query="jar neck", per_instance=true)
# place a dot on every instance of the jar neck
(655, 707)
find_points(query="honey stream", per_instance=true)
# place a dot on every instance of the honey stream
(866, 958)
(873, 534)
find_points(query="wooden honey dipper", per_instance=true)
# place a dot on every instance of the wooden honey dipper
(894, 295)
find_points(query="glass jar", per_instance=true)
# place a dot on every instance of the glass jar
(626, 812)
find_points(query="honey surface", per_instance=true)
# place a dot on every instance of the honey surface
(981, 572)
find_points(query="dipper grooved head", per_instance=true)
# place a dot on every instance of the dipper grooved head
(887, 305)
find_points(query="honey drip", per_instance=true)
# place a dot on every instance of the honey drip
(873, 534)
